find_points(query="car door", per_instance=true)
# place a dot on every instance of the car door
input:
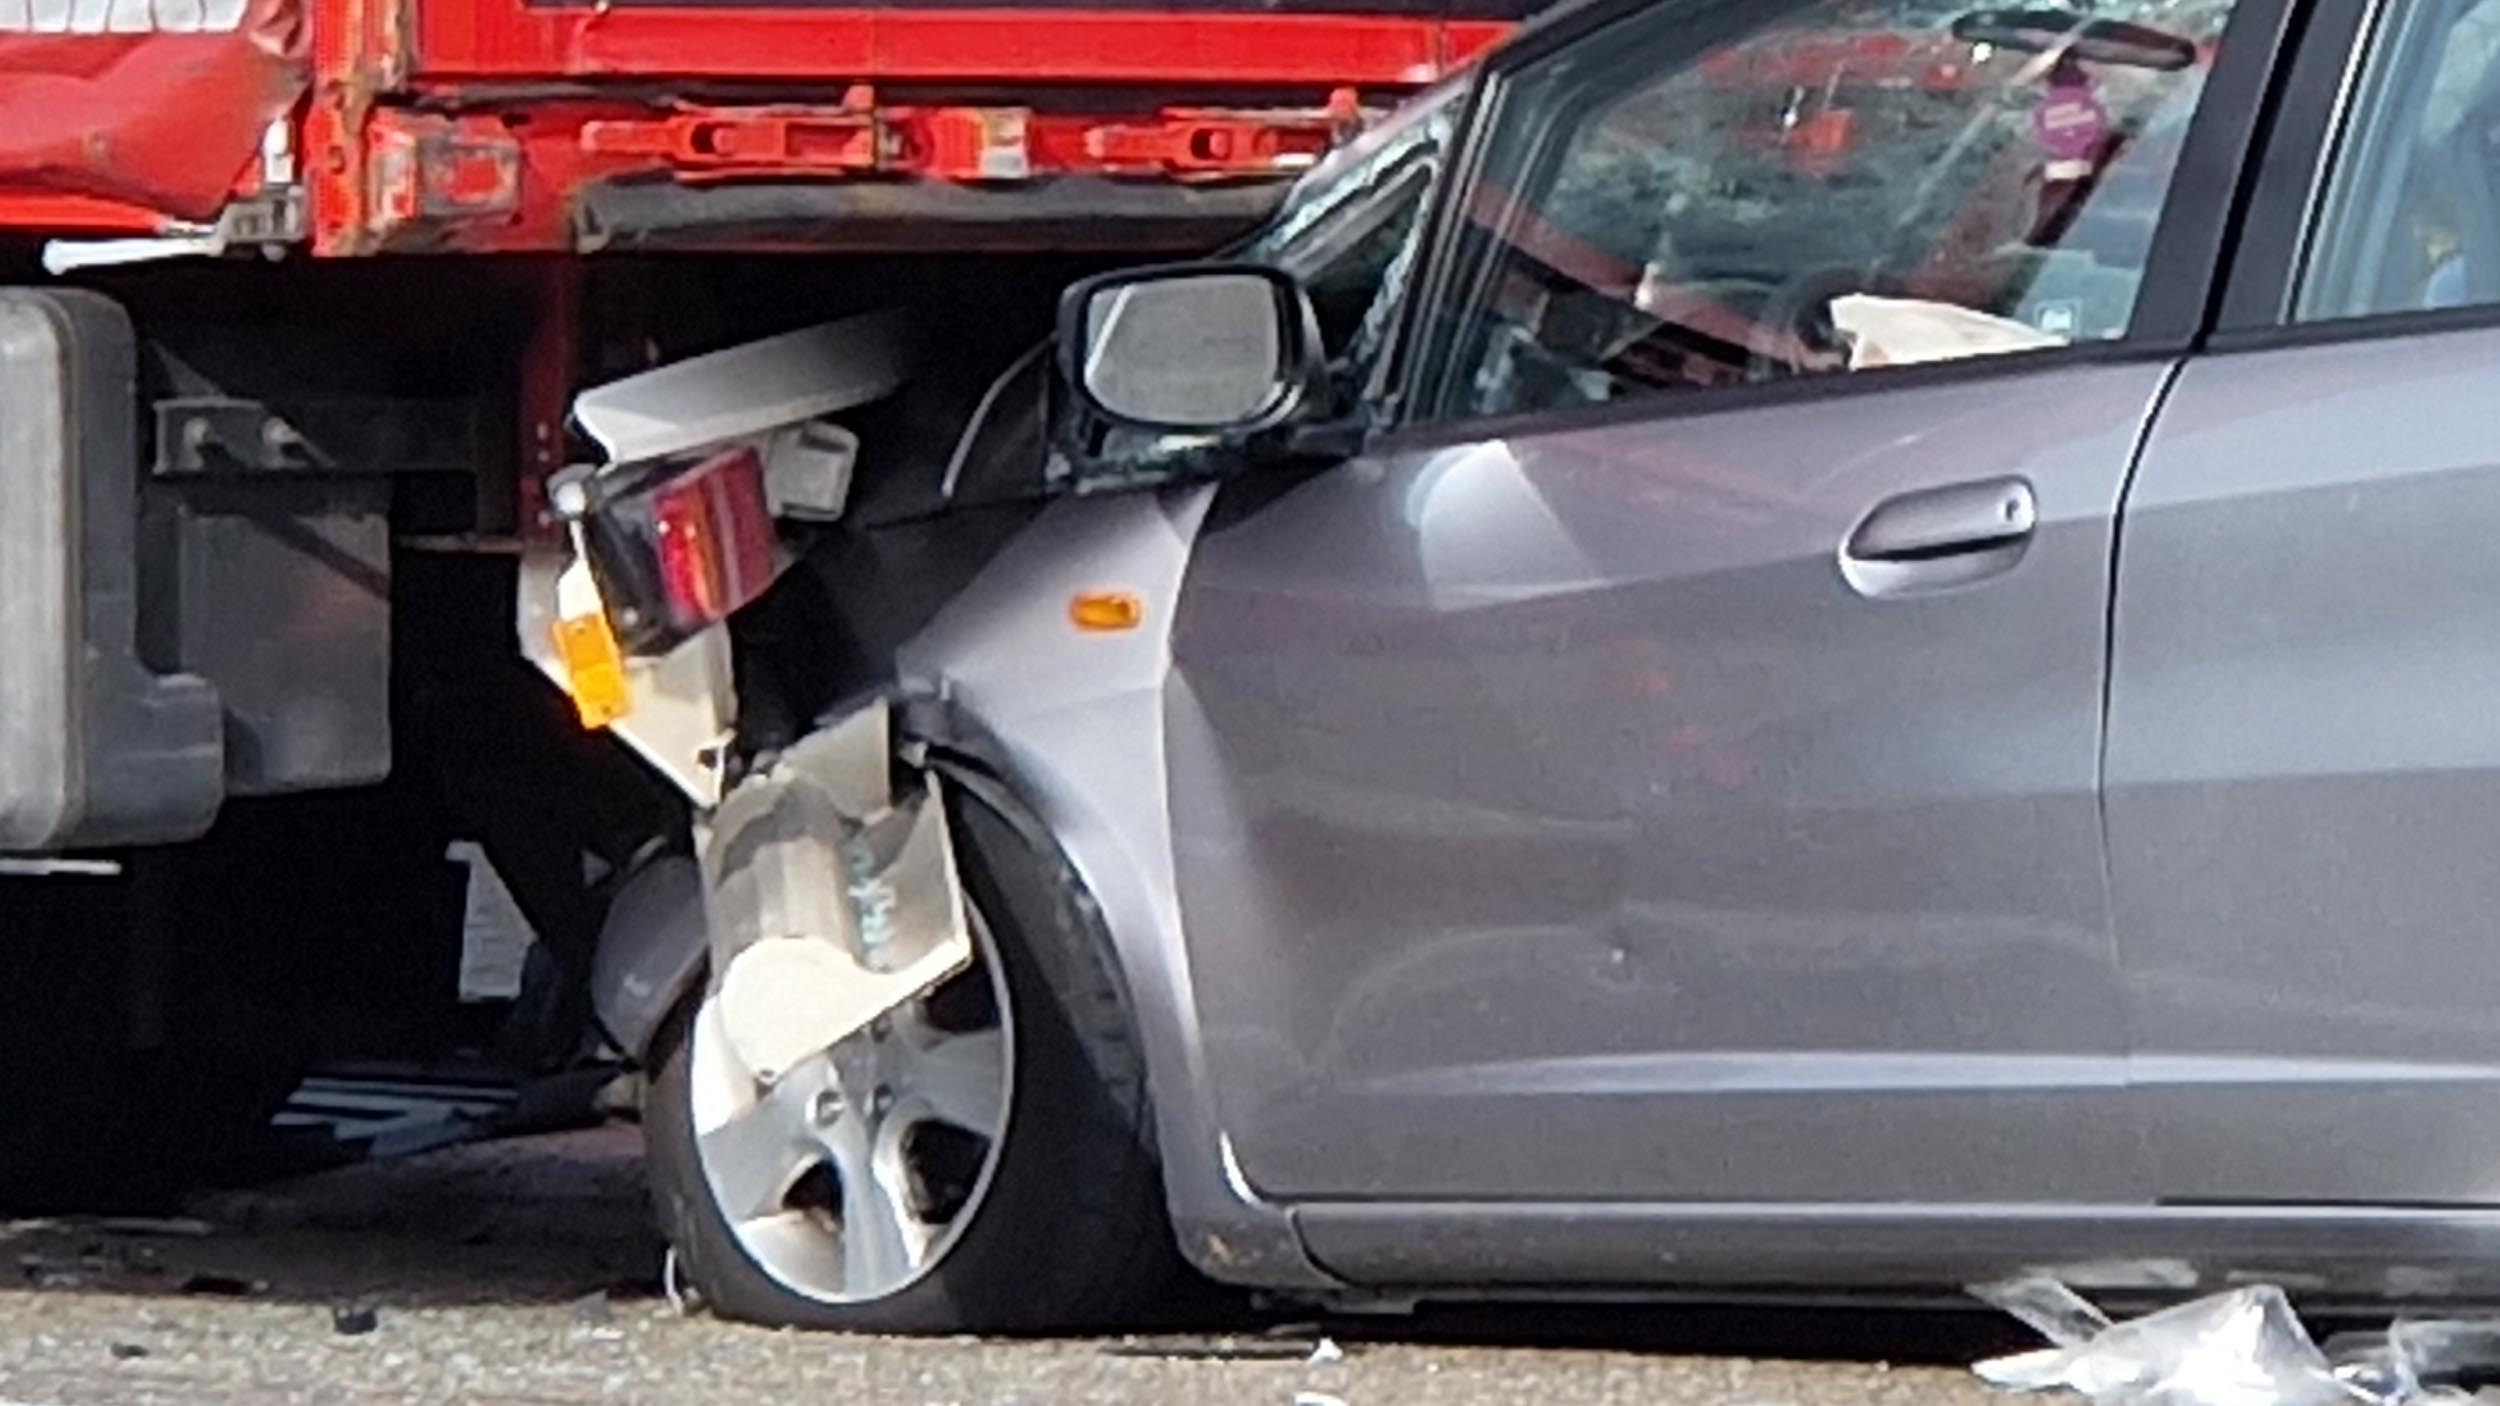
(1664, 768)
(2304, 754)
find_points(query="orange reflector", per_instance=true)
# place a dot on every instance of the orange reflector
(1106, 611)
(594, 669)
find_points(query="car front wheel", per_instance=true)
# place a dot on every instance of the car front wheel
(978, 1160)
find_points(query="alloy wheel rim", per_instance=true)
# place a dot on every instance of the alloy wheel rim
(850, 1178)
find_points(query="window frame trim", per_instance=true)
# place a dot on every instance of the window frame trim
(2193, 247)
(1409, 353)
(1380, 375)
(2289, 206)
(2286, 199)
(1734, 399)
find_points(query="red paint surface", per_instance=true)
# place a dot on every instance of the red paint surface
(507, 39)
(109, 131)
(123, 133)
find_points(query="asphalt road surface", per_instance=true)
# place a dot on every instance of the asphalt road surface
(522, 1273)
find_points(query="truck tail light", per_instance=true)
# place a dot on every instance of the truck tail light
(715, 537)
(681, 545)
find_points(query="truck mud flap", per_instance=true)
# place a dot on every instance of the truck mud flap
(95, 749)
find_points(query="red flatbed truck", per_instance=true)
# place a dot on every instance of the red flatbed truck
(294, 296)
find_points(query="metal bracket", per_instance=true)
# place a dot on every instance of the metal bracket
(684, 702)
(795, 140)
(427, 172)
(362, 435)
(269, 221)
(275, 216)
(212, 434)
(859, 136)
(1202, 142)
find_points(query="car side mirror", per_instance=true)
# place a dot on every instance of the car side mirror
(1197, 349)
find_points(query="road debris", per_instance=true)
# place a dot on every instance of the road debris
(355, 1320)
(1218, 1347)
(79, 1262)
(495, 1324)
(1326, 1353)
(44, 1272)
(223, 1286)
(1316, 1398)
(681, 1300)
(172, 1227)
(2242, 1348)
(126, 1352)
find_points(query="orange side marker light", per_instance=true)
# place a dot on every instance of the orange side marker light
(594, 669)
(1107, 612)
(586, 644)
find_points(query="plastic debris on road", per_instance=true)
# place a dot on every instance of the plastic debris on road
(169, 1227)
(673, 1286)
(1224, 1347)
(2242, 1348)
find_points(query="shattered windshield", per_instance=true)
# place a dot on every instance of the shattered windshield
(1824, 186)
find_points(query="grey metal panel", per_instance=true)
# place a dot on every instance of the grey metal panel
(1553, 820)
(2304, 774)
(94, 749)
(2326, 1254)
(1075, 720)
(278, 590)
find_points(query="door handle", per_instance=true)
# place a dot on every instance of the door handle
(1939, 537)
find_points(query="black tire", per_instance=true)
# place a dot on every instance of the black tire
(1072, 1232)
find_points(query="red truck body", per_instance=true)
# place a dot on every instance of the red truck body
(494, 125)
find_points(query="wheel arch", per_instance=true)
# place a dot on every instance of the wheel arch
(1070, 722)
(652, 949)
(1225, 1229)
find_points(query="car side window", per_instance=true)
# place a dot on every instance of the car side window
(2411, 219)
(1703, 195)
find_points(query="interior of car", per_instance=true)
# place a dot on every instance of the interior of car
(1906, 194)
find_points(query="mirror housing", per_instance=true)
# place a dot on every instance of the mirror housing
(1212, 349)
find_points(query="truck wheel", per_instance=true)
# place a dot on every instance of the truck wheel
(980, 1161)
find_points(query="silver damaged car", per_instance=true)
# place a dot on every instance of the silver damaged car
(1809, 645)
